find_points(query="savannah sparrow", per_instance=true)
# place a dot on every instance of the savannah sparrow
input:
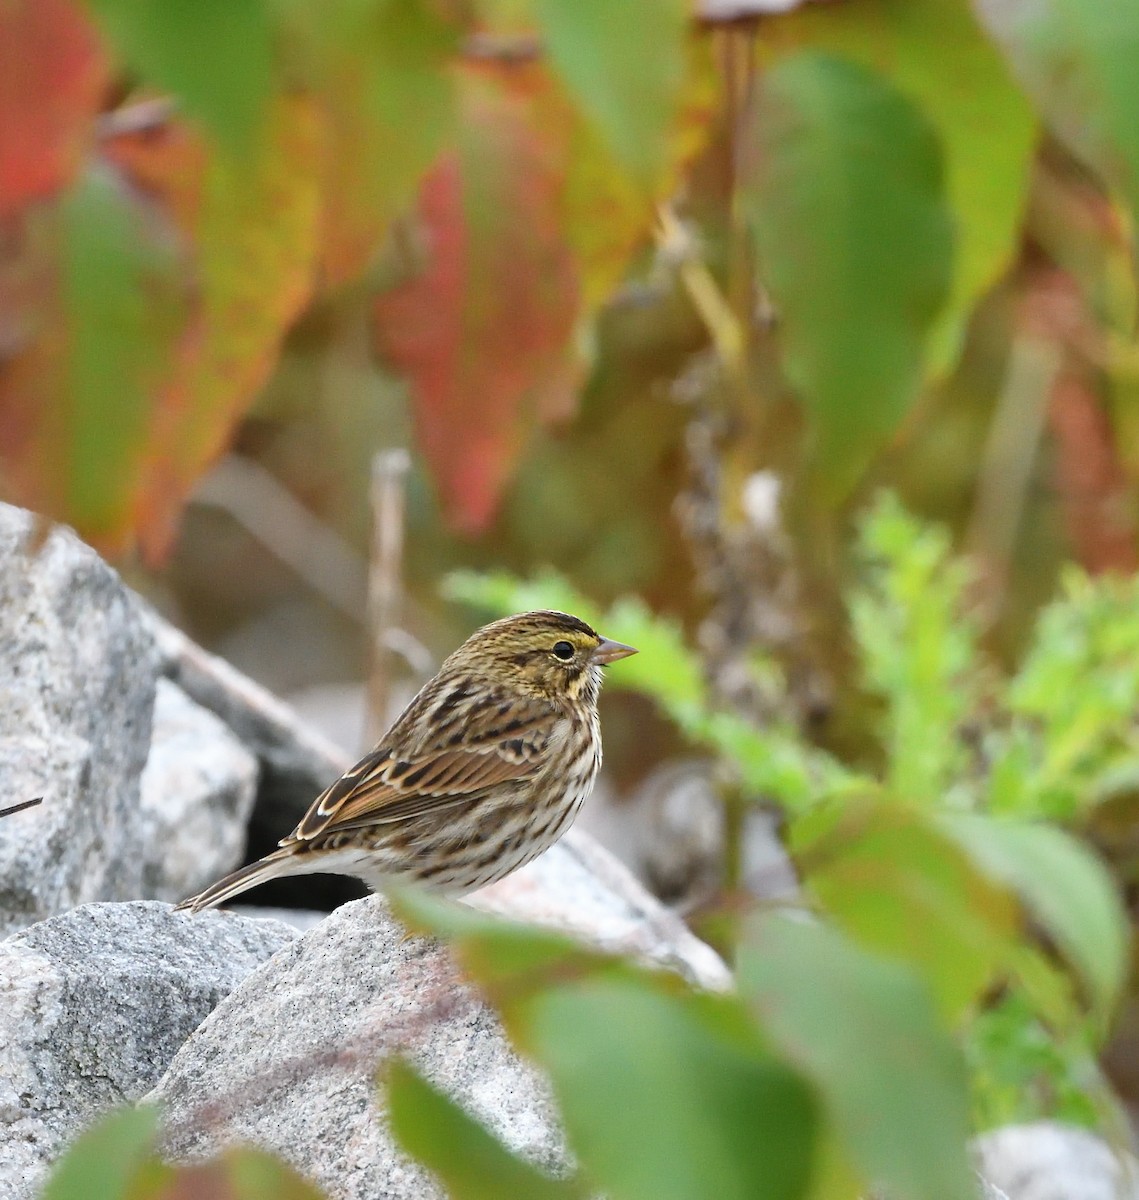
(486, 768)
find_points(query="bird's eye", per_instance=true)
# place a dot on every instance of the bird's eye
(563, 650)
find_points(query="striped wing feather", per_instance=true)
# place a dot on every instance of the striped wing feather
(424, 765)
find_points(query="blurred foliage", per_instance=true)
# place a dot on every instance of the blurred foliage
(956, 960)
(503, 231)
(484, 184)
(942, 858)
(117, 1159)
(500, 232)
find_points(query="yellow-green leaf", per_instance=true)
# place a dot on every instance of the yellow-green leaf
(468, 1159)
(936, 54)
(899, 885)
(1076, 59)
(104, 1162)
(853, 237)
(865, 1033)
(1066, 890)
(624, 64)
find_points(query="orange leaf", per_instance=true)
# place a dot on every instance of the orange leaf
(483, 330)
(254, 228)
(52, 75)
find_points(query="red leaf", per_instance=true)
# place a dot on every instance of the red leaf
(52, 75)
(89, 325)
(1092, 485)
(482, 332)
(141, 312)
(1090, 480)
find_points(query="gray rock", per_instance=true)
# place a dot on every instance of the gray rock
(93, 1006)
(579, 887)
(77, 676)
(1047, 1160)
(196, 795)
(297, 764)
(300, 919)
(288, 1061)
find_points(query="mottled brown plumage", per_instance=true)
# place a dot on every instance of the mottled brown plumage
(485, 768)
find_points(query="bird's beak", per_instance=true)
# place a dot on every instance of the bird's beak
(610, 651)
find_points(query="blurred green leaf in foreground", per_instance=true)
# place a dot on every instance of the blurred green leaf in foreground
(944, 860)
(956, 958)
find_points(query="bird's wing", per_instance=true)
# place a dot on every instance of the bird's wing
(495, 745)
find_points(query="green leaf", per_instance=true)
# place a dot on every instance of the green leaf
(250, 1174)
(854, 242)
(215, 56)
(103, 1163)
(864, 1031)
(986, 127)
(918, 649)
(381, 74)
(508, 958)
(664, 1100)
(1076, 59)
(497, 593)
(772, 762)
(900, 885)
(123, 307)
(1064, 887)
(637, 1058)
(624, 64)
(470, 1162)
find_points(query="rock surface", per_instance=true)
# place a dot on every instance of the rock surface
(579, 887)
(288, 1060)
(77, 677)
(296, 762)
(300, 919)
(196, 796)
(93, 1006)
(1047, 1160)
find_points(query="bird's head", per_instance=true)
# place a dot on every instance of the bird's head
(550, 654)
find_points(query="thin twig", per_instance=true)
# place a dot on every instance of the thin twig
(385, 580)
(676, 243)
(15, 808)
(1010, 452)
(281, 523)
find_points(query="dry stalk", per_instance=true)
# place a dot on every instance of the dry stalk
(385, 581)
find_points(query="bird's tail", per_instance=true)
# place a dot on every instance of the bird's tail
(270, 867)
